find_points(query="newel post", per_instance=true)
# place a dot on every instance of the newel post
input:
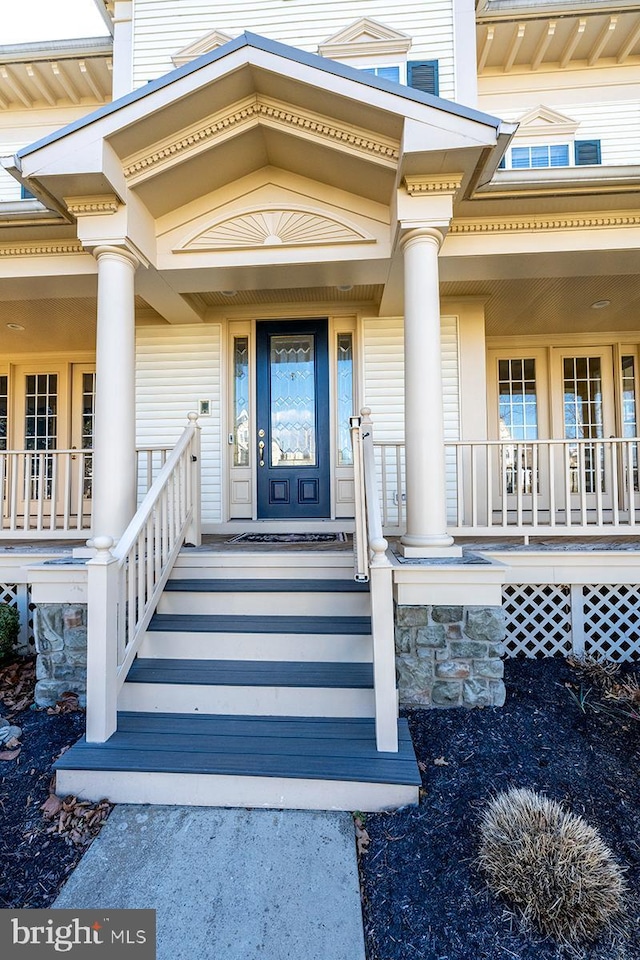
(194, 530)
(102, 642)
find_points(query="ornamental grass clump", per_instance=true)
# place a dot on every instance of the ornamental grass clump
(551, 866)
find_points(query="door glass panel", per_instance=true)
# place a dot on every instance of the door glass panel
(4, 412)
(88, 416)
(518, 410)
(241, 401)
(293, 413)
(583, 420)
(345, 398)
(629, 410)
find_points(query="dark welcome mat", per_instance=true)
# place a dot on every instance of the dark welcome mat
(289, 538)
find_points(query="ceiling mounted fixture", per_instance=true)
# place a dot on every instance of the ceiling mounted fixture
(15, 326)
(345, 287)
(600, 304)
(228, 293)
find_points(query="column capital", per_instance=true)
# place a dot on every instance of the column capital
(116, 252)
(419, 234)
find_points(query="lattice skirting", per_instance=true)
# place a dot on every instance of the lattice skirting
(597, 620)
(18, 595)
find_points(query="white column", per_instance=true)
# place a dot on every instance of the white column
(114, 459)
(424, 429)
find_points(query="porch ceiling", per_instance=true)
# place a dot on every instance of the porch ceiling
(55, 325)
(547, 306)
(359, 294)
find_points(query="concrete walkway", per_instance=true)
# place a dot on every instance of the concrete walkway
(229, 884)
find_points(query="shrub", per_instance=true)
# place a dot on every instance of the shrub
(551, 865)
(9, 630)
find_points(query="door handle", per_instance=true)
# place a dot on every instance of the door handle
(261, 452)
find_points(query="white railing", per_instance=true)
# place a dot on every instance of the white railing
(125, 583)
(371, 562)
(149, 462)
(45, 493)
(526, 488)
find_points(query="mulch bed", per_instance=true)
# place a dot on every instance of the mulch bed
(423, 897)
(38, 848)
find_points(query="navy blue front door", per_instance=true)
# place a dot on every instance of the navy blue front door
(293, 419)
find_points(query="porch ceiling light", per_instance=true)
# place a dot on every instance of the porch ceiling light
(600, 304)
(345, 287)
(228, 293)
(15, 326)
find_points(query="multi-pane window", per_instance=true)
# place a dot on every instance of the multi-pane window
(241, 401)
(345, 397)
(518, 411)
(4, 412)
(583, 419)
(545, 155)
(41, 428)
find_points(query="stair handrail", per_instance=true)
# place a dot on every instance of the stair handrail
(125, 582)
(372, 564)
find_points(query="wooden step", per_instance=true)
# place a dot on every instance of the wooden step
(270, 688)
(286, 762)
(264, 585)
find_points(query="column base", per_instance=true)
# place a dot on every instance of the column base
(415, 552)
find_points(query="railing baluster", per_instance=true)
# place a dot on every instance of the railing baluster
(551, 464)
(601, 472)
(567, 482)
(474, 487)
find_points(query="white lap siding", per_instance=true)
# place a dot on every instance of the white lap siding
(175, 368)
(384, 389)
(162, 28)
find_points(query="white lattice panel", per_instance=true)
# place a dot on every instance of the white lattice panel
(611, 621)
(17, 595)
(538, 619)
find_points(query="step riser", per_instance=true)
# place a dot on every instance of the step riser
(223, 791)
(251, 646)
(267, 604)
(250, 700)
(268, 566)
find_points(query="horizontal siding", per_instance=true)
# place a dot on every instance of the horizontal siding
(176, 367)
(162, 27)
(384, 387)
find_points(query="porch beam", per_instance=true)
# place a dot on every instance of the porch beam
(114, 463)
(426, 533)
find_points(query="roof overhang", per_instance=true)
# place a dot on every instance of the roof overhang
(253, 103)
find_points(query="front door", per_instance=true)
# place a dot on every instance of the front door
(292, 378)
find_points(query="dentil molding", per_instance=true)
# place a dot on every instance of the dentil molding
(424, 186)
(524, 224)
(256, 108)
(92, 206)
(40, 248)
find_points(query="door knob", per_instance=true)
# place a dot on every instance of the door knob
(261, 449)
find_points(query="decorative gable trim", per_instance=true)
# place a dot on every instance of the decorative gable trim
(545, 122)
(272, 227)
(423, 186)
(365, 37)
(213, 40)
(249, 113)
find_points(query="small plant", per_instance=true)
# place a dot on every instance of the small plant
(551, 865)
(9, 630)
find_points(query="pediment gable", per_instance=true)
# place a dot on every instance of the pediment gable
(363, 37)
(211, 41)
(547, 122)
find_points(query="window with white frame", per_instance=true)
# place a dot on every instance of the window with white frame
(541, 155)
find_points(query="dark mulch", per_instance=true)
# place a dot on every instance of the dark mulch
(35, 861)
(423, 896)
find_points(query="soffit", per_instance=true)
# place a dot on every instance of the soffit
(55, 82)
(359, 293)
(532, 40)
(539, 306)
(55, 325)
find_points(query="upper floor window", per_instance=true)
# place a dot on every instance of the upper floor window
(579, 153)
(386, 73)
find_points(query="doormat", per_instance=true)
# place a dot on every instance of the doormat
(289, 538)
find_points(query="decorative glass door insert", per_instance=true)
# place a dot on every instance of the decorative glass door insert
(293, 400)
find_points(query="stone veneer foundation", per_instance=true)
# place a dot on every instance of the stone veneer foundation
(450, 656)
(60, 631)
